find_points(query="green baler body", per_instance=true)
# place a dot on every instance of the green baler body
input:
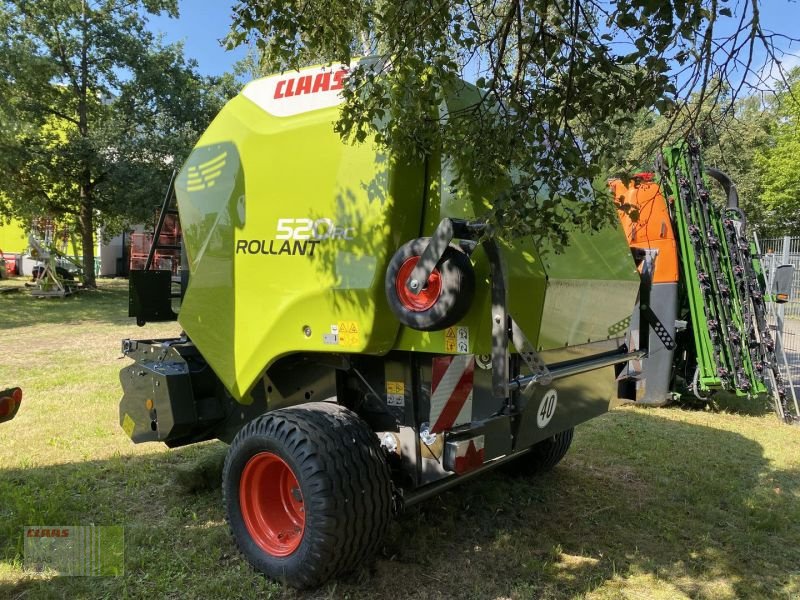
(289, 231)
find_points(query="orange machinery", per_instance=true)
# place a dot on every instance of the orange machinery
(645, 218)
(646, 221)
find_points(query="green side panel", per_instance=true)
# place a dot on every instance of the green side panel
(559, 299)
(527, 285)
(526, 297)
(592, 287)
(579, 295)
(576, 297)
(254, 180)
(466, 200)
(524, 268)
(208, 188)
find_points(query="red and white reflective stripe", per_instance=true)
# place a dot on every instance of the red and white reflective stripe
(451, 391)
(463, 456)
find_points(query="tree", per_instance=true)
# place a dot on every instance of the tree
(780, 161)
(731, 132)
(96, 112)
(562, 81)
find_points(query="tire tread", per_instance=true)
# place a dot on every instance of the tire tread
(543, 455)
(340, 462)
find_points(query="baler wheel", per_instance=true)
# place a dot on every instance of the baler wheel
(544, 455)
(443, 301)
(307, 493)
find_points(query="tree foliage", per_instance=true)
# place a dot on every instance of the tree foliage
(754, 139)
(732, 132)
(563, 81)
(779, 161)
(96, 112)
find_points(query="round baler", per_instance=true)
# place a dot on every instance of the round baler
(357, 337)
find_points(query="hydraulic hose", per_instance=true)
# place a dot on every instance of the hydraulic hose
(727, 185)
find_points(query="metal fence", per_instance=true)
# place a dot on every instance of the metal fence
(784, 319)
(783, 251)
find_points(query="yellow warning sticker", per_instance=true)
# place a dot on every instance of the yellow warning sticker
(395, 387)
(128, 425)
(450, 339)
(395, 393)
(349, 334)
(456, 339)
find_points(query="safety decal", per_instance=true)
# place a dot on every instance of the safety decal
(349, 333)
(395, 393)
(451, 391)
(456, 339)
(128, 425)
(332, 338)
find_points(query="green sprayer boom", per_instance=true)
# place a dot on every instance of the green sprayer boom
(723, 284)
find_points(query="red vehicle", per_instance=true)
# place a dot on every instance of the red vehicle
(10, 400)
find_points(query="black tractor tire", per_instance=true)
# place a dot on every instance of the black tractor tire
(544, 455)
(453, 278)
(65, 274)
(341, 491)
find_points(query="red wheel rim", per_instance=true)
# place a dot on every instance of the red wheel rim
(272, 504)
(429, 294)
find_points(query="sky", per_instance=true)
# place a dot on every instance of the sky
(202, 23)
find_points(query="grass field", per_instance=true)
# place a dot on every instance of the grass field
(662, 503)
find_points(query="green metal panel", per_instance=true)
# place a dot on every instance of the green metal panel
(558, 299)
(591, 287)
(255, 179)
(289, 231)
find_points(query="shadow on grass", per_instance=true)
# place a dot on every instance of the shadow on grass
(640, 500)
(742, 405)
(107, 304)
(725, 402)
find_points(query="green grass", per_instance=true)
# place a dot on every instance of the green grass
(662, 503)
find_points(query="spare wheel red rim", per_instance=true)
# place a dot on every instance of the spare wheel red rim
(429, 294)
(272, 504)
